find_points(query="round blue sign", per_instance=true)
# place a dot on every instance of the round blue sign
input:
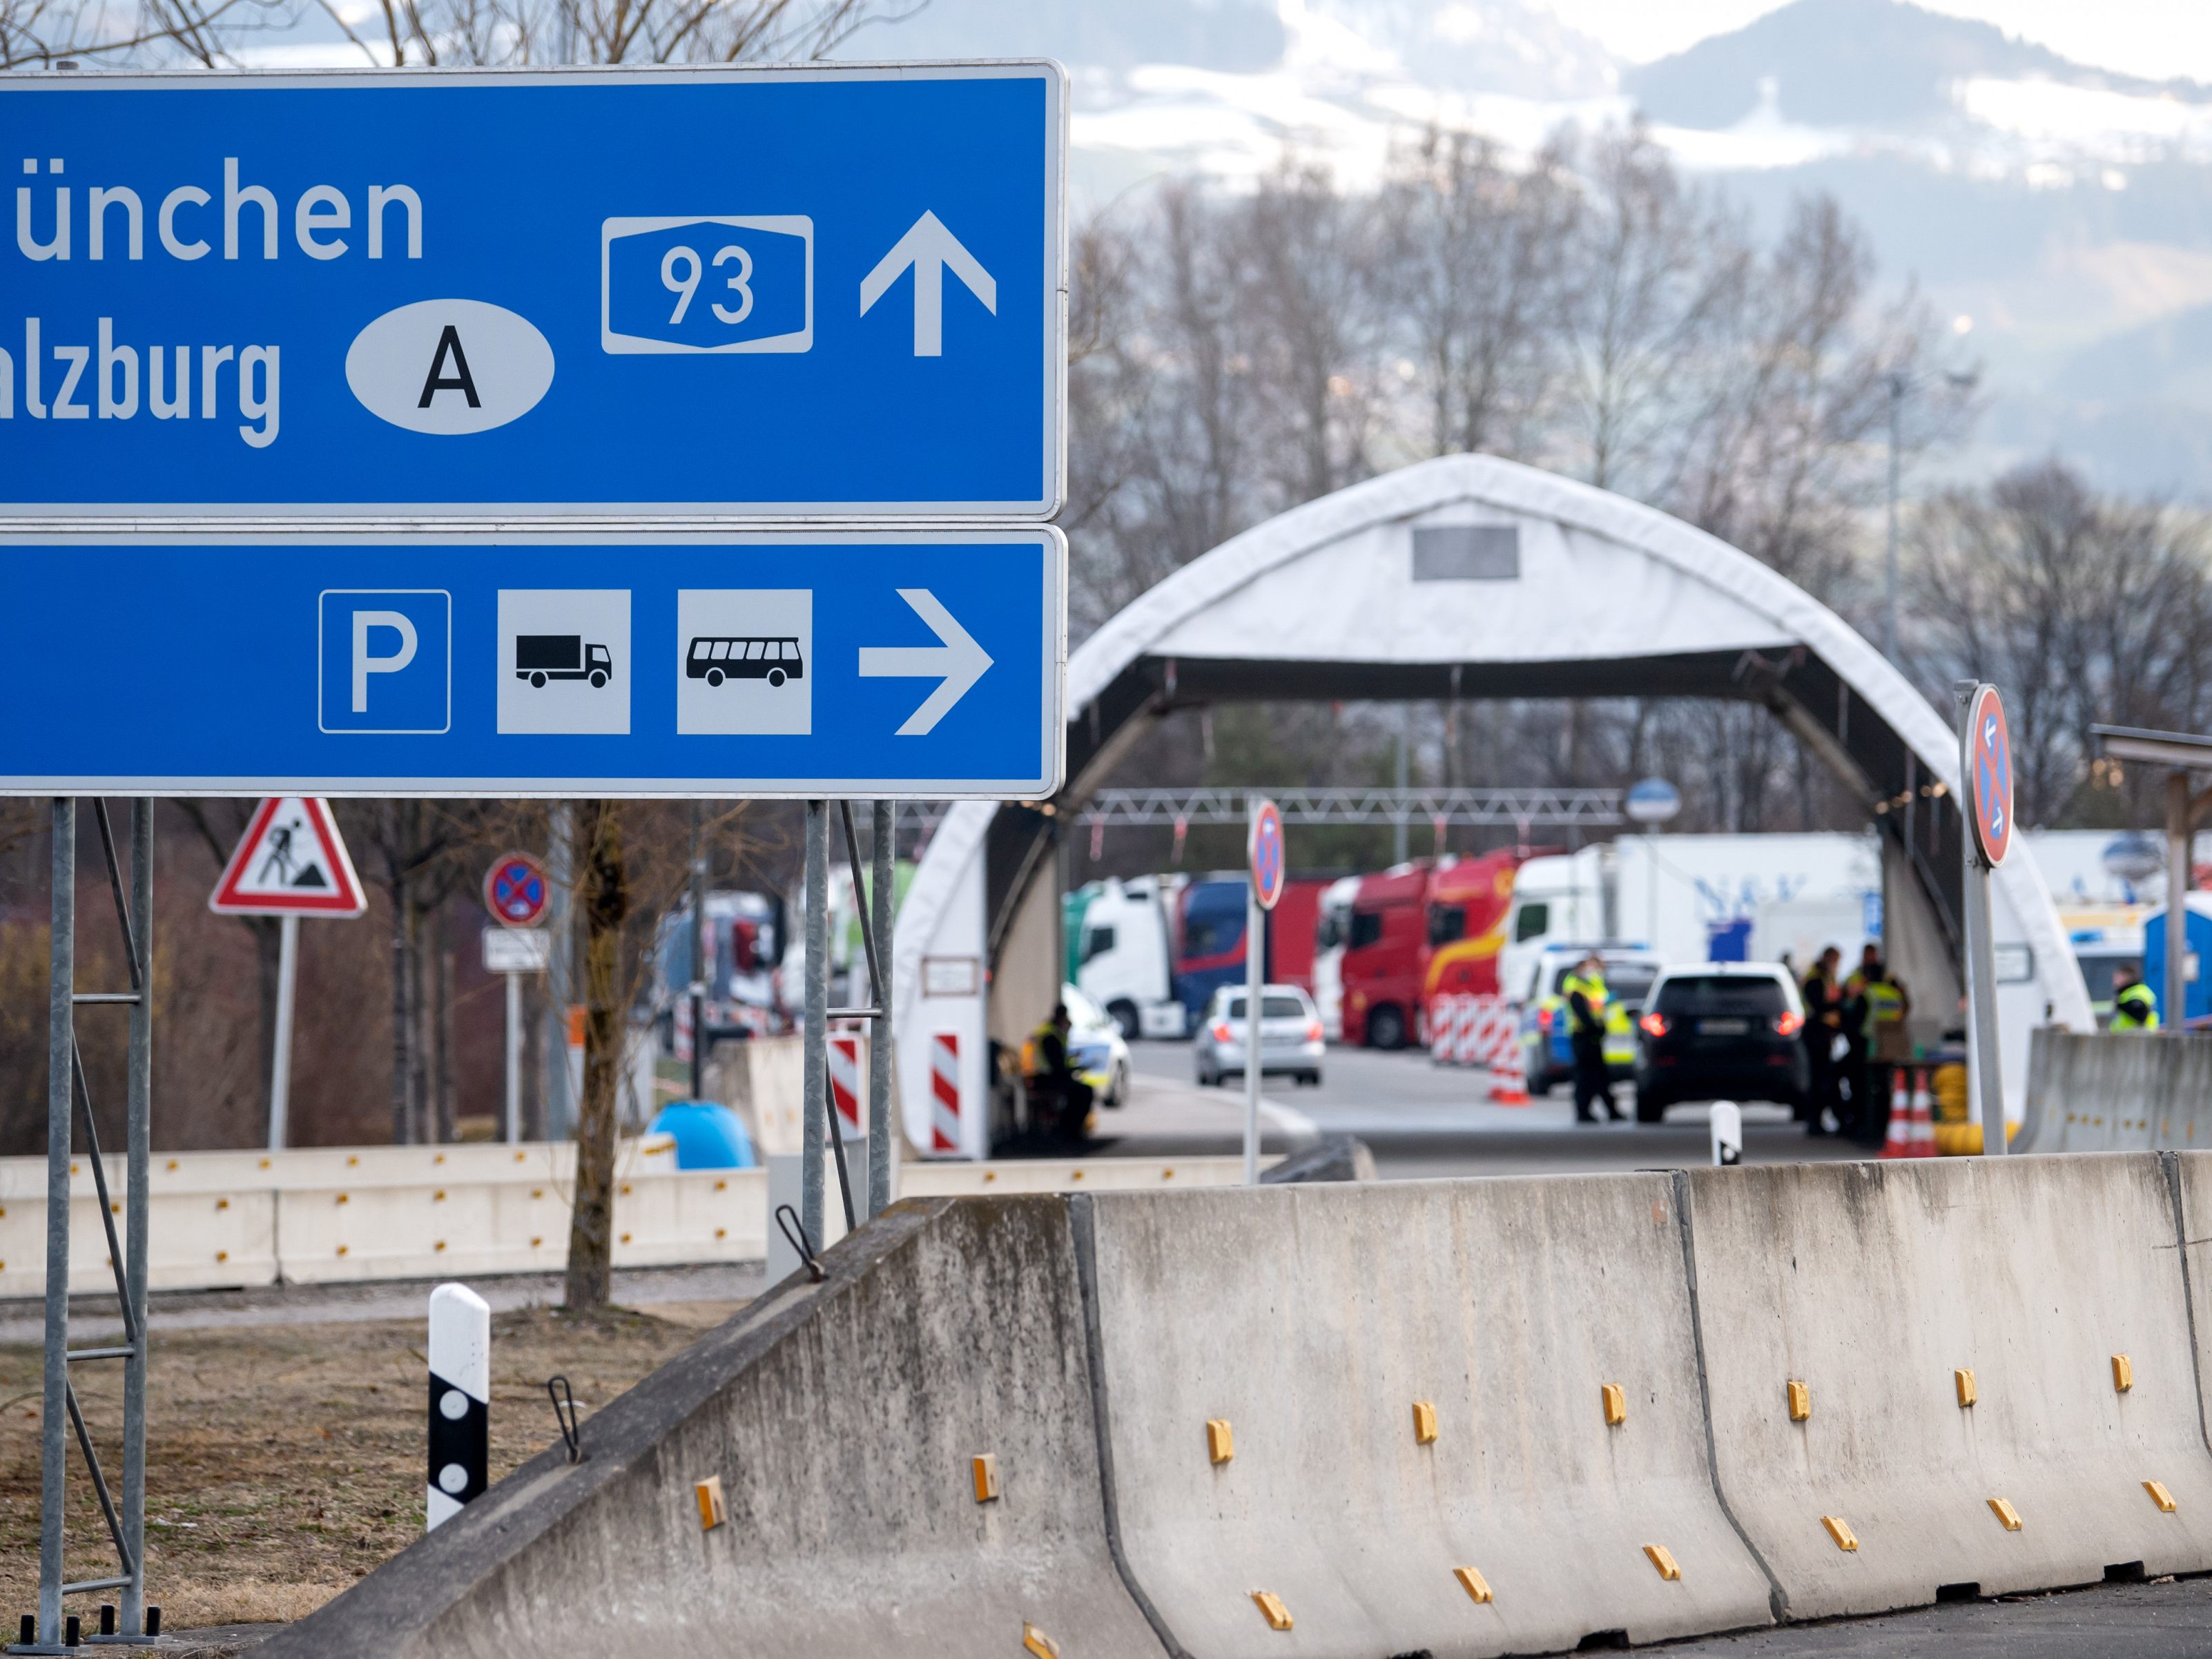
(1989, 782)
(514, 891)
(1270, 865)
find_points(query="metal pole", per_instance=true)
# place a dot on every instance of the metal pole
(1981, 952)
(559, 873)
(1255, 921)
(138, 1152)
(2176, 1000)
(280, 1068)
(61, 1037)
(1405, 763)
(1889, 558)
(698, 952)
(882, 845)
(815, 1068)
(513, 1059)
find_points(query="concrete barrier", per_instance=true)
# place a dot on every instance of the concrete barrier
(1874, 1285)
(377, 1212)
(1312, 1319)
(842, 1421)
(2102, 1091)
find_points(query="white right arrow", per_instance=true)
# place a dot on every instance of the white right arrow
(959, 660)
(929, 248)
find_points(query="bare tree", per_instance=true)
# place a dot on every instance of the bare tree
(515, 33)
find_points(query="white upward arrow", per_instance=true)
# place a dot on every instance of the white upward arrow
(960, 661)
(929, 248)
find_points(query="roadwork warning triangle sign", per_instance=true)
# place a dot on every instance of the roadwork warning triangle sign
(289, 862)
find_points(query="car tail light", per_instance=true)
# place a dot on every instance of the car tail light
(1313, 1031)
(1221, 1031)
(1654, 1024)
(1789, 1025)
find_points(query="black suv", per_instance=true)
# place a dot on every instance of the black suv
(1721, 1030)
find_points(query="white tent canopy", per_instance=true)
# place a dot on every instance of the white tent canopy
(1464, 576)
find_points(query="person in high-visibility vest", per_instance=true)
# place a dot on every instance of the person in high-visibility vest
(1060, 1097)
(2135, 1008)
(1886, 1044)
(1585, 989)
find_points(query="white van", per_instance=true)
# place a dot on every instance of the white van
(1124, 962)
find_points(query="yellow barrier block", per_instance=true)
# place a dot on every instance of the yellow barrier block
(1963, 1381)
(1221, 1445)
(1271, 1607)
(1424, 1423)
(1657, 1554)
(1839, 1529)
(2160, 1496)
(709, 1495)
(1801, 1400)
(2005, 1514)
(985, 1469)
(1616, 1405)
(1476, 1586)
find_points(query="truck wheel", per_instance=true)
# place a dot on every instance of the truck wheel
(713, 677)
(599, 676)
(1124, 1014)
(776, 677)
(538, 680)
(1386, 1028)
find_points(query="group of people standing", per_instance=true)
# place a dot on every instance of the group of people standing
(1854, 1039)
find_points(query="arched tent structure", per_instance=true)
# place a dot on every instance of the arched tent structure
(1474, 578)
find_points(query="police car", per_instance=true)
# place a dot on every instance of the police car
(1547, 1048)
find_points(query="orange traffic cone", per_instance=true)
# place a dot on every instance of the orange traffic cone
(1924, 1119)
(1898, 1143)
(1508, 1081)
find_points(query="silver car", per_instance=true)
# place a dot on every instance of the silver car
(1289, 1034)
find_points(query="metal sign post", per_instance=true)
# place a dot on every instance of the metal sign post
(1269, 872)
(867, 318)
(1985, 772)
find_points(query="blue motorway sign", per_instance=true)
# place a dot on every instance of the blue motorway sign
(918, 663)
(791, 292)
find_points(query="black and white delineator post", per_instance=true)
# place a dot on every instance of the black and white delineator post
(460, 1399)
(1727, 1121)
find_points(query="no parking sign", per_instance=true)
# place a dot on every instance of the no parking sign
(514, 891)
(1264, 846)
(1989, 776)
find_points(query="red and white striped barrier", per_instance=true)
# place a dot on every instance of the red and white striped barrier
(944, 1092)
(845, 1085)
(1471, 1031)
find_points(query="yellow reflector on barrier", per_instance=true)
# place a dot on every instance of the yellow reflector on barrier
(1963, 1381)
(1271, 1605)
(1473, 1584)
(1801, 1400)
(1036, 1642)
(985, 1471)
(1221, 1445)
(709, 1494)
(1616, 1405)
(1659, 1557)
(2160, 1496)
(2124, 1373)
(2006, 1513)
(1839, 1529)
(1425, 1422)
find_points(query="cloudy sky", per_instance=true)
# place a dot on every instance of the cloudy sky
(2158, 38)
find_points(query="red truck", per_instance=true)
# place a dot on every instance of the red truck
(1420, 931)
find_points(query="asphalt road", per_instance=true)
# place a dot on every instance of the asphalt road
(1426, 1121)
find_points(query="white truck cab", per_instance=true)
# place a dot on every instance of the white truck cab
(1124, 963)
